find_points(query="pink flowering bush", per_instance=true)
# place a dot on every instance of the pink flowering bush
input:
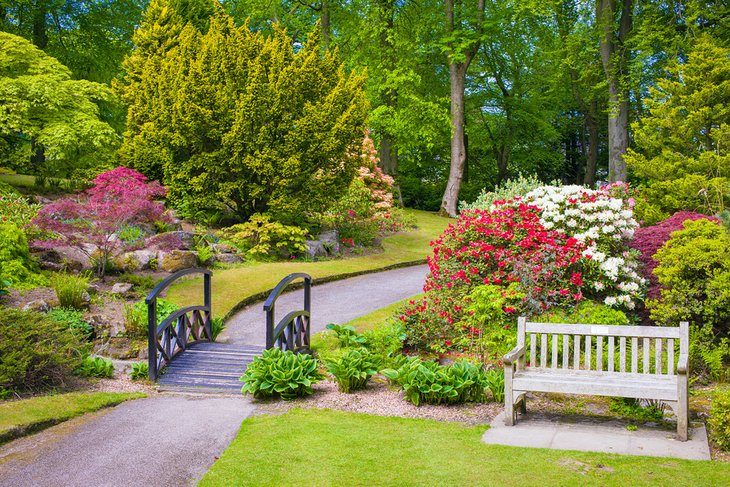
(90, 221)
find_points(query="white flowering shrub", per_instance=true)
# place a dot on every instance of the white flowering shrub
(603, 220)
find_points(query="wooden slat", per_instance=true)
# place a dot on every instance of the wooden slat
(554, 361)
(670, 356)
(576, 352)
(622, 356)
(543, 350)
(533, 353)
(599, 353)
(604, 330)
(634, 355)
(647, 343)
(588, 352)
(658, 356)
(566, 351)
(610, 354)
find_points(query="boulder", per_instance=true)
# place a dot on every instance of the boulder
(178, 260)
(136, 260)
(121, 288)
(227, 258)
(315, 248)
(121, 348)
(38, 305)
(327, 244)
(187, 238)
(220, 248)
(329, 238)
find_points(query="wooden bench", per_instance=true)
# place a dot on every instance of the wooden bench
(602, 360)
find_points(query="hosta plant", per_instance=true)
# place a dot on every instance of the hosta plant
(346, 335)
(95, 367)
(140, 371)
(495, 383)
(284, 374)
(352, 369)
(431, 383)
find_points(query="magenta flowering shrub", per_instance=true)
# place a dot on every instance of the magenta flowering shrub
(648, 240)
(90, 221)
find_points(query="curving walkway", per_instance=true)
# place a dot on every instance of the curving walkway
(173, 439)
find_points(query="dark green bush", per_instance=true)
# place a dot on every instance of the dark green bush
(353, 368)
(431, 383)
(73, 319)
(720, 419)
(35, 350)
(284, 374)
(95, 367)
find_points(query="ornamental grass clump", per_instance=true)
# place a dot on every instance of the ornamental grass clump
(71, 291)
(283, 374)
(353, 368)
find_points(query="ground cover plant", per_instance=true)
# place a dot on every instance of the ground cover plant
(21, 417)
(341, 446)
(352, 368)
(281, 374)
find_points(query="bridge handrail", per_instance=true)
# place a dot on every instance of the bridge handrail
(274, 332)
(166, 331)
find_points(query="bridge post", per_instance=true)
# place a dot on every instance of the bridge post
(207, 298)
(152, 339)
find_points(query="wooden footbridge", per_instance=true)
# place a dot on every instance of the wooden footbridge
(182, 355)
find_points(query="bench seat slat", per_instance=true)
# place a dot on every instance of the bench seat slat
(603, 330)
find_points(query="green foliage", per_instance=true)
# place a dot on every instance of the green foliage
(205, 252)
(95, 367)
(16, 264)
(135, 316)
(71, 290)
(284, 374)
(35, 350)
(216, 327)
(708, 354)
(141, 283)
(720, 419)
(262, 238)
(42, 102)
(694, 272)
(588, 313)
(74, 320)
(505, 191)
(495, 383)
(632, 409)
(239, 121)
(346, 335)
(140, 371)
(431, 383)
(385, 341)
(16, 209)
(4, 284)
(682, 145)
(352, 368)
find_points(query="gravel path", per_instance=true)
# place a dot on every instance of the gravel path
(333, 302)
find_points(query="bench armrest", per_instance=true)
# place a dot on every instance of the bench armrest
(513, 355)
(683, 364)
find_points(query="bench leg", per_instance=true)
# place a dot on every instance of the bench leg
(509, 398)
(682, 409)
(523, 404)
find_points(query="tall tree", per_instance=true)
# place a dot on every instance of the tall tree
(463, 35)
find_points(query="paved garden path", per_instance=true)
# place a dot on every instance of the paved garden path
(173, 439)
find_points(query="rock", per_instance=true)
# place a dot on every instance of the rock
(327, 244)
(121, 348)
(136, 260)
(177, 240)
(38, 305)
(121, 288)
(86, 298)
(93, 289)
(223, 249)
(52, 266)
(188, 239)
(178, 260)
(329, 238)
(315, 249)
(143, 354)
(227, 258)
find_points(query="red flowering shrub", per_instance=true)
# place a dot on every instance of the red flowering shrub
(648, 240)
(508, 244)
(90, 221)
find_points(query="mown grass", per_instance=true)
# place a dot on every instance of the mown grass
(18, 418)
(324, 447)
(18, 180)
(231, 286)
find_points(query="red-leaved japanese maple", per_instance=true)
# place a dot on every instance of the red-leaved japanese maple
(89, 221)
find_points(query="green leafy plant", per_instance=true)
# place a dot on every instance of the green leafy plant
(71, 290)
(720, 419)
(429, 382)
(284, 374)
(95, 367)
(140, 371)
(4, 284)
(216, 327)
(632, 409)
(204, 253)
(708, 354)
(135, 316)
(74, 320)
(346, 335)
(495, 383)
(510, 188)
(262, 238)
(386, 341)
(587, 312)
(35, 350)
(352, 368)
(16, 263)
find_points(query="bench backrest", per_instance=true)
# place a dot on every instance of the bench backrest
(610, 348)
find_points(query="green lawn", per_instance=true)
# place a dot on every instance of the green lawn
(323, 447)
(18, 418)
(234, 285)
(18, 180)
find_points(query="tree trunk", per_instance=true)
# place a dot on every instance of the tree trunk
(592, 156)
(40, 35)
(613, 58)
(37, 158)
(388, 97)
(457, 76)
(325, 25)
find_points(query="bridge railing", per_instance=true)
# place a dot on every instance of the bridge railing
(292, 331)
(178, 330)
